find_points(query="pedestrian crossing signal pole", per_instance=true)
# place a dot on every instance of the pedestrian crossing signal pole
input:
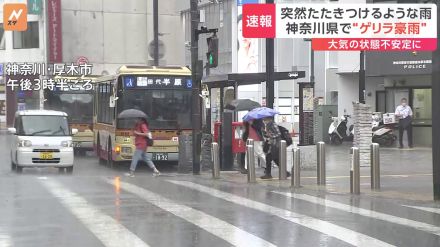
(196, 119)
(196, 76)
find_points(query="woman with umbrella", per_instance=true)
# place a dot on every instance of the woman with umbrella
(142, 133)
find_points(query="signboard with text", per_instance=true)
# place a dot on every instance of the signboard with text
(55, 31)
(378, 27)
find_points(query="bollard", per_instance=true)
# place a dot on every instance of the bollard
(283, 160)
(320, 151)
(296, 158)
(215, 160)
(355, 180)
(251, 163)
(375, 167)
(248, 142)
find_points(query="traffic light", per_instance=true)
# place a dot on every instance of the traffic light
(212, 54)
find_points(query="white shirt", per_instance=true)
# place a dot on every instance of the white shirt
(404, 111)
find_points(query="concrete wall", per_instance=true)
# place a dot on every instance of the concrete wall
(112, 33)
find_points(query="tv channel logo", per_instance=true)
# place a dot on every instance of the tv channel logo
(15, 17)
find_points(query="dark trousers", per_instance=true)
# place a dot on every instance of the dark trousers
(242, 160)
(405, 124)
(269, 159)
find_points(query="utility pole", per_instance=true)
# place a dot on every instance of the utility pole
(196, 120)
(436, 113)
(270, 69)
(362, 77)
(156, 31)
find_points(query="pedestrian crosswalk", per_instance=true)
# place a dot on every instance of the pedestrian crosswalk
(114, 232)
(364, 212)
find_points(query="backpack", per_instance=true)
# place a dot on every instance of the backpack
(285, 135)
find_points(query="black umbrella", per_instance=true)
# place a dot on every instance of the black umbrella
(132, 113)
(242, 105)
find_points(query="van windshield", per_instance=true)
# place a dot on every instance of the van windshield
(42, 126)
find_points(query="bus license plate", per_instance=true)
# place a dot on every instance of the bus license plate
(46, 156)
(160, 156)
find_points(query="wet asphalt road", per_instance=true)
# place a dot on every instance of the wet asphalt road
(98, 206)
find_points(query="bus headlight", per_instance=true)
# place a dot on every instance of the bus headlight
(66, 144)
(24, 143)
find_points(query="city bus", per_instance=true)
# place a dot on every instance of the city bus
(76, 99)
(162, 93)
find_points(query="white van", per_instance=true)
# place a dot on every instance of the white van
(41, 139)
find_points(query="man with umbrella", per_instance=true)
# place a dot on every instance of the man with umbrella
(142, 133)
(271, 136)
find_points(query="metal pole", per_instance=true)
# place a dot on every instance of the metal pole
(249, 142)
(196, 123)
(215, 160)
(251, 163)
(270, 68)
(362, 78)
(321, 177)
(375, 167)
(296, 176)
(356, 171)
(156, 31)
(283, 160)
(436, 115)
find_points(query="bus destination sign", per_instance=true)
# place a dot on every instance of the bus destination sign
(157, 82)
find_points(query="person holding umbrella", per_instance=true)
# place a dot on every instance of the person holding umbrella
(252, 131)
(141, 133)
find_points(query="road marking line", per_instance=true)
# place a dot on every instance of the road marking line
(341, 233)
(5, 239)
(364, 212)
(391, 175)
(211, 224)
(110, 232)
(427, 209)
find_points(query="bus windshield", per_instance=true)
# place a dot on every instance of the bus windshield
(166, 109)
(79, 106)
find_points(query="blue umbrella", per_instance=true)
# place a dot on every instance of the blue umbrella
(259, 113)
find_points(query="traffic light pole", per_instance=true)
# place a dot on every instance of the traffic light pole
(196, 79)
(196, 121)
(270, 69)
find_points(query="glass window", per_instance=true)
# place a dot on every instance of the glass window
(43, 126)
(77, 105)
(422, 106)
(166, 109)
(29, 38)
(2, 38)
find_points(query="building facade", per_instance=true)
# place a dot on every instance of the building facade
(106, 34)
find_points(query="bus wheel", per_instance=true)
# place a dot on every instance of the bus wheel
(110, 162)
(99, 151)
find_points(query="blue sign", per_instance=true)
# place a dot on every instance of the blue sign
(1, 69)
(189, 83)
(241, 2)
(129, 81)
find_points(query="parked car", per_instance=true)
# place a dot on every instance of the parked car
(41, 138)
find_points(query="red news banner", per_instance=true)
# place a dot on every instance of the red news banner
(346, 27)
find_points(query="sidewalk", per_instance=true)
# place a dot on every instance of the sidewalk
(405, 174)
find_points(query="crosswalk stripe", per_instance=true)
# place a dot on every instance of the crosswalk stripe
(5, 239)
(106, 229)
(364, 212)
(427, 209)
(341, 233)
(217, 227)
